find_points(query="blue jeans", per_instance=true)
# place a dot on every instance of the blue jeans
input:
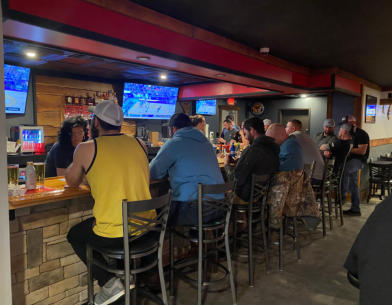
(186, 213)
(350, 182)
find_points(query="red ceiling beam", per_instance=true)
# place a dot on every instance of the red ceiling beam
(36, 34)
(218, 90)
(347, 85)
(83, 19)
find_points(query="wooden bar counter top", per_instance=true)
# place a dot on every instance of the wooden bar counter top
(55, 190)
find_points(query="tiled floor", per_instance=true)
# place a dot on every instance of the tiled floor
(318, 279)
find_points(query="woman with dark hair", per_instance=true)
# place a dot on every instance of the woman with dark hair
(72, 132)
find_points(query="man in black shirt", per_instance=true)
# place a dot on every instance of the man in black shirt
(356, 160)
(260, 157)
(339, 147)
(370, 257)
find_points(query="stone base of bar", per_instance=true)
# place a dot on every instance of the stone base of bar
(44, 267)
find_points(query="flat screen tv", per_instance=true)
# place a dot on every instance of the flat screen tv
(16, 84)
(206, 107)
(142, 101)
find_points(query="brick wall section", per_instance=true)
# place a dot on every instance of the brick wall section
(44, 268)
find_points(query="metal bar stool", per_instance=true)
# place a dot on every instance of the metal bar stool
(321, 191)
(336, 183)
(253, 213)
(283, 230)
(142, 238)
(211, 238)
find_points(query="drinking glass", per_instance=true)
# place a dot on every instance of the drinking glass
(40, 173)
(13, 174)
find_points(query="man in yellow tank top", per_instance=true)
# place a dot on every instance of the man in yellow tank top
(116, 168)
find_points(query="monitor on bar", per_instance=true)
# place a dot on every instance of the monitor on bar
(206, 107)
(143, 101)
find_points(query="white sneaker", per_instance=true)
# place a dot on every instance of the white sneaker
(110, 292)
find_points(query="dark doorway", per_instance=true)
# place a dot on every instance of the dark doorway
(298, 114)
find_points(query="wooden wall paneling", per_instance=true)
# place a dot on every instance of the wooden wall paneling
(49, 102)
(60, 82)
(129, 128)
(50, 92)
(379, 142)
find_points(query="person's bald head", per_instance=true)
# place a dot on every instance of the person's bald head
(277, 132)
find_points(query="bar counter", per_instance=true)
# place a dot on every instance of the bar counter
(44, 268)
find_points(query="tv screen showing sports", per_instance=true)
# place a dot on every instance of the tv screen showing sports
(207, 107)
(16, 84)
(142, 101)
(371, 110)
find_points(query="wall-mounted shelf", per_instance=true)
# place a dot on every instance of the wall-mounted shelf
(385, 101)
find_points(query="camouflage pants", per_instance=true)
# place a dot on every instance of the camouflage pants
(291, 194)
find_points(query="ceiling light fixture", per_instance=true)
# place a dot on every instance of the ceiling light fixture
(163, 76)
(303, 95)
(30, 54)
(143, 58)
(220, 75)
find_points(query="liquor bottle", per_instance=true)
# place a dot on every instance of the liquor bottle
(68, 100)
(31, 181)
(232, 150)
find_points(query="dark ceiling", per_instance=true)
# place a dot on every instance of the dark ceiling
(354, 35)
(69, 62)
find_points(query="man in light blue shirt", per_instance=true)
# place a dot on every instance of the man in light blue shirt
(188, 158)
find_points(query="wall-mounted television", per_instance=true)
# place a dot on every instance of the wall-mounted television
(206, 107)
(142, 101)
(16, 84)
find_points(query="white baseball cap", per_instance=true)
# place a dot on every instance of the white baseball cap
(109, 112)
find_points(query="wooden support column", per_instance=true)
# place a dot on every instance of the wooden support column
(358, 108)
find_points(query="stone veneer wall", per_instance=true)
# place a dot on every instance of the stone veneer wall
(44, 268)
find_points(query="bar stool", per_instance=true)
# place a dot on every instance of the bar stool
(211, 238)
(283, 230)
(288, 224)
(336, 182)
(253, 213)
(142, 237)
(322, 191)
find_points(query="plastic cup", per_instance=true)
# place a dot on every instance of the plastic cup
(40, 173)
(13, 174)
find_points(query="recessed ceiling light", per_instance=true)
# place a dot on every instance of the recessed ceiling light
(220, 75)
(143, 58)
(163, 76)
(303, 95)
(31, 54)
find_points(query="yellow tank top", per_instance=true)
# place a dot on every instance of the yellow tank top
(118, 171)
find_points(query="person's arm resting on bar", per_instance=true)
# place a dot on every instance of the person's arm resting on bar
(75, 171)
(160, 165)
